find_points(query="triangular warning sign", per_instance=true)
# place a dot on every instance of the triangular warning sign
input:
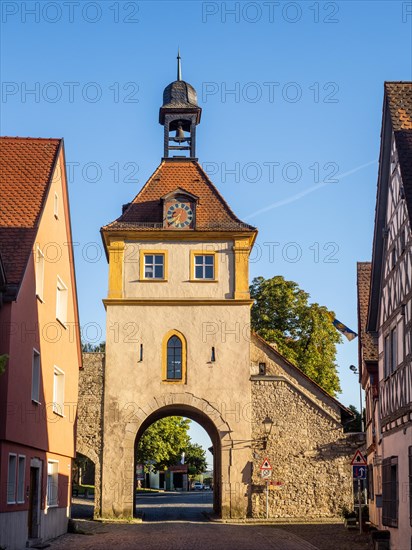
(358, 459)
(266, 465)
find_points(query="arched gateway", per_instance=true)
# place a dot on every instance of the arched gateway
(218, 430)
(178, 341)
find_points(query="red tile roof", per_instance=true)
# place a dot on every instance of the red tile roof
(145, 212)
(26, 166)
(368, 350)
(399, 96)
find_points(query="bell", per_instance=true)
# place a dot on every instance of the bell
(180, 135)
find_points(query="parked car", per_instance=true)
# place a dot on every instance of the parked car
(198, 486)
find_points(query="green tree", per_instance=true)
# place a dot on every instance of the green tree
(163, 442)
(93, 348)
(302, 332)
(354, 425)
(195, 457)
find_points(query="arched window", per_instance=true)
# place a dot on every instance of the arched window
(174, 353)
(174, 358)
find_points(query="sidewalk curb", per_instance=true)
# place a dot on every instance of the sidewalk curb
(275, 521)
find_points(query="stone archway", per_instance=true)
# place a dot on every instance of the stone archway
(128, 423)
(91, 454)
(201, 418)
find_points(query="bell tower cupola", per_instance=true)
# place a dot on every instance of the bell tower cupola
(179, 113)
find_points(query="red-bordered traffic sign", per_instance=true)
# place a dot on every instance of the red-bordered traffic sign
(266, 465)
(358, 459)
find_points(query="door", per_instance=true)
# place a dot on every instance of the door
(34, 503)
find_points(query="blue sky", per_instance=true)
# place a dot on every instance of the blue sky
(293, 148)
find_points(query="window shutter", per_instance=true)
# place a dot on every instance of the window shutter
(386, 489)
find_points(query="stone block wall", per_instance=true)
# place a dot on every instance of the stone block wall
(307, 448)
(308, 451)
(90, 414)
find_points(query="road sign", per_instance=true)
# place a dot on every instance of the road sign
(266, 474)
(359, 472)
(358, 459)
(266, 465)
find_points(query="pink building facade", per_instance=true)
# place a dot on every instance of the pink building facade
(39, 333)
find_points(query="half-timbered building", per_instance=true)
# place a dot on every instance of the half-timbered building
(390, 312)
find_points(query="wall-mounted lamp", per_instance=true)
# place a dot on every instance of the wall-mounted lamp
(262, 369)
(267, 426)
(356, 371)
(213, 356)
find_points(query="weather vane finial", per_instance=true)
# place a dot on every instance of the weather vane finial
(179, 67)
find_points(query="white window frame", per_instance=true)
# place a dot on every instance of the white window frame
(58, 391)
(21, 478)
(56, 206)
(152, 265)
(61, 301)
(35, 373)
(203, 265)
(39, 270)
(11, 483)
(52, 483)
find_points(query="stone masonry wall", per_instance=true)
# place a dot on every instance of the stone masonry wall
(90, 414)
(307, 448)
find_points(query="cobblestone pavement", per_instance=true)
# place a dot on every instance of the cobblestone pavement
(193, 532)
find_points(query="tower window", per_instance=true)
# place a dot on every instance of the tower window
(174, 353)
(153, 265)
(174, 358)
(203, 267)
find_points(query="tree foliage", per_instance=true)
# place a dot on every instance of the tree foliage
(354, 425)
(94, 348)
(302, 332)
(163, 442)
(195, 457)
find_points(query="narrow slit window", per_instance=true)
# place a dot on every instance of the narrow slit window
(174, 358)
(58, 391)
(39, 268)
(35, 380)
(56, 205)
(61, 301)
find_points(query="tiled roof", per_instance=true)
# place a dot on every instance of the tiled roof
(26, 166)
(399, 99)
(399, 96)
(367, 348)
(145, 212)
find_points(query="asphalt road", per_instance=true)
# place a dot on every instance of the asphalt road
(175, 506)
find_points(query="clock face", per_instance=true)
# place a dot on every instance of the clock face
(179, 215)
